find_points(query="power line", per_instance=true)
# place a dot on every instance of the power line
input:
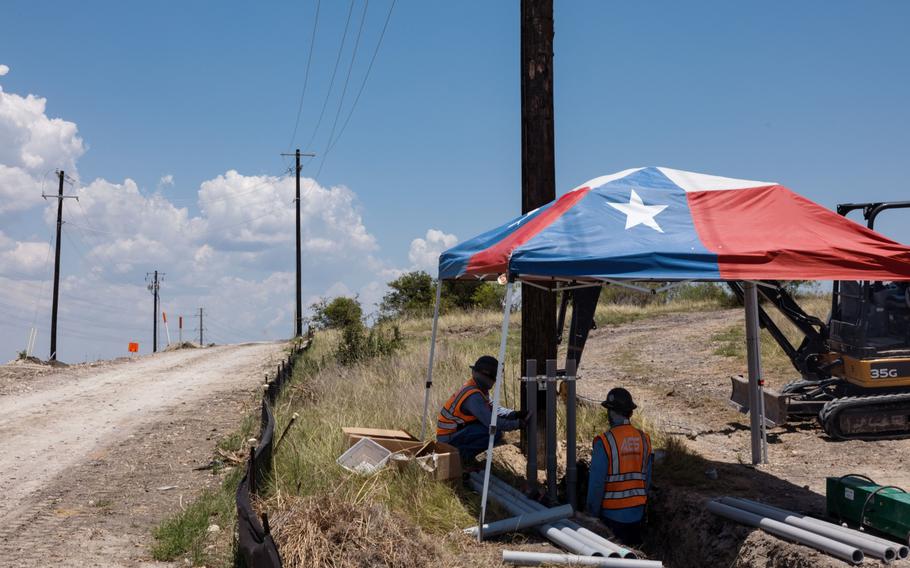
(362, 86)
(347, 79)
(306, 76)
(328, 94)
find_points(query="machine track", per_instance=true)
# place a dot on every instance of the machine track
(872, 417)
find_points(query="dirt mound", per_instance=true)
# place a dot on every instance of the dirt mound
(32, 360)
(324, 531)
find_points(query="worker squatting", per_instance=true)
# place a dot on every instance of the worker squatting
(620, 471)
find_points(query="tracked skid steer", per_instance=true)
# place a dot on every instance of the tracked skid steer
(855, 367)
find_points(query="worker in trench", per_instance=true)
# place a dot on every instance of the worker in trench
(620, 473)
(464, 419)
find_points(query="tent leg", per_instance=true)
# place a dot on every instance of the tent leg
(429, 383)
(756, 395)
(506, 312)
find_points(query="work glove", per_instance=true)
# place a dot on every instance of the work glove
(517, 415)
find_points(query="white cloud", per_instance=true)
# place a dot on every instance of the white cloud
(424, 253)
(23, 258)
(235, 257)
(4, 69)
(166, 181)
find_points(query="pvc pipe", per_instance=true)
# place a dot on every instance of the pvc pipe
(564, 538)
(506, 312)
(901, 550)
(429, 384)
(589, 535)
(522, 558)
(524, 520)
(834, 548)
(878, 550)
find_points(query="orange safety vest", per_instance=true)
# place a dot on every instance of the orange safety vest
(628, 451)
(451, 417)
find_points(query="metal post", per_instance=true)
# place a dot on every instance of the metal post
(571, 465)
(551, 431)
(531, 423)
(496, 390)
(429, 383)
(753, 353)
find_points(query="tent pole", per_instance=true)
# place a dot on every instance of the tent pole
(756, 395)
(506, 312)
(429, 383)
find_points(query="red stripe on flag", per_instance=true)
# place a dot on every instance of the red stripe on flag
(495, 259)
(771, 233)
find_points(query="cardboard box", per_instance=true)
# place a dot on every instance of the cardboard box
(440, 461)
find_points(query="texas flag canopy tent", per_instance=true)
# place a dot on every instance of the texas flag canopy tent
(668, 225)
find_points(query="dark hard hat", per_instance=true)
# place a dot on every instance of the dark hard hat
(486, 366)
(619, 399)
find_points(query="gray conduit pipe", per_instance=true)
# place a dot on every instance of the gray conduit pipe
(834, 548)
(566, 541)
(591, 535)
(834, 532)
(903, 551)
(521, 558)
(523, 521)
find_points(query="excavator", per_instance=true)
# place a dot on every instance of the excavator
(854, 367)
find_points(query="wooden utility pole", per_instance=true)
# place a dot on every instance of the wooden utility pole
(201, 343)
(60, 197)
(538, 178)
(153, 286)
(298, 315)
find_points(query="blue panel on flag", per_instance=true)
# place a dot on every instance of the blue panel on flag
(638, 226)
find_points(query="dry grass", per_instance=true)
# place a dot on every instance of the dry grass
(324, 531)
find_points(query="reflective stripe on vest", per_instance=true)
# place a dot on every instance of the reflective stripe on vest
(451, 418)
(627, 451)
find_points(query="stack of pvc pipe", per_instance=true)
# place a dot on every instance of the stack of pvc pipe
(565, 533)
(838, 541)
(522, 558)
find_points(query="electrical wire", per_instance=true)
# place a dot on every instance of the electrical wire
(347, 80)
(362, 86)
(306, 76)
(328, 94)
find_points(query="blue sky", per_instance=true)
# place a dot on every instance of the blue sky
(810, 94)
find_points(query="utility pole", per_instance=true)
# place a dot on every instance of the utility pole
(298, 315)
(59, 197)
(201, 343)
(538, 179)
(154, 282)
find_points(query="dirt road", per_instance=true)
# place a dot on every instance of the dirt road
(94, 456)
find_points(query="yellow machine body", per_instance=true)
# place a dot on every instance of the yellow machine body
(878, 373)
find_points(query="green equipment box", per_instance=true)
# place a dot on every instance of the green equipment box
(859, 500)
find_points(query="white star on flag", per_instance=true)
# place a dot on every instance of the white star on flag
(637, 213)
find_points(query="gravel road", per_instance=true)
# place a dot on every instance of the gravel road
(87, 449)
